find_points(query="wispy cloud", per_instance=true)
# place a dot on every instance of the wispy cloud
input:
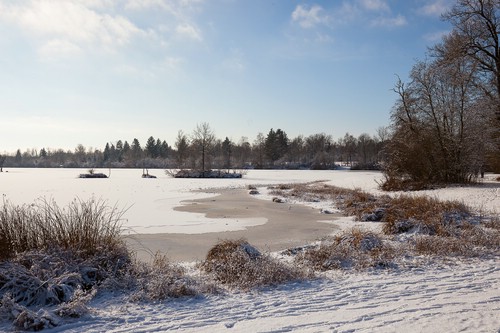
(309, 17)
(178, 8)
(59, 29)
(435, 7)
(436, 36)
(69, 26)
(390, 22)
(189, 31)
(375, 5)
(57, 48)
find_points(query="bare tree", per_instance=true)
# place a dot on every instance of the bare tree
(438, 131)
(475, 35)
(182, 146)
(259, 150)
(203, 139)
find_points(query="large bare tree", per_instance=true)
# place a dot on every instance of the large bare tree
(439, 133)
(476, 25)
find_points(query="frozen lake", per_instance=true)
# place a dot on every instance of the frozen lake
(150, 202)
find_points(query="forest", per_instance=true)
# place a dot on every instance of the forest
(273, 150)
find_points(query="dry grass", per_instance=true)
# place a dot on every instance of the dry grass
(442, 246)
(461, 231)
(239, 265)
(56, 257)
(392, 183)
(163, 279)
(83, 226)
(427, 215)
(355, 248)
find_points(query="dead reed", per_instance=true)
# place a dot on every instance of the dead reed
(88, 227)
(239, 265)
(355, 248)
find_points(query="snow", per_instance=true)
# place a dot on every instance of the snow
(447, 298)
(452, 296)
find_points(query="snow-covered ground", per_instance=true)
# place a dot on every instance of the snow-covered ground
(456, 296)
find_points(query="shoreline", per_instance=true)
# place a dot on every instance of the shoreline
(288, 225)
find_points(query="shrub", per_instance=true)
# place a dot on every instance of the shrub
(238, 264)
(425, 215)
(162, 279)
(355, 248)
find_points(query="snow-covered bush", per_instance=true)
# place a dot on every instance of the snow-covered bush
(239, 265)
(354, 248)
(163, 279)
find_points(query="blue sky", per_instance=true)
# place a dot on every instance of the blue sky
(95, 71)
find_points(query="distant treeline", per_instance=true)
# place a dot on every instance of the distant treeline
(271, 151)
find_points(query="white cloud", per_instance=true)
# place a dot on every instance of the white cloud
(189, 31)
(375, 5)
(178, 8)
(309, 17)
(57, 48)
(435, 8)
(323, 38)
(436, 36)
(146, 4)
(70, 25)
(390, 22)
(173, 63)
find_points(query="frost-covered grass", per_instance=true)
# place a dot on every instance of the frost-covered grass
(55, 257)
(239, 265)
(88, 227)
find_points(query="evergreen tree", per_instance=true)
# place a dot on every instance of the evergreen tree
(151, 148)
(226, 152)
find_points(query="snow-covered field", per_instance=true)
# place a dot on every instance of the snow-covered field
(455, 296)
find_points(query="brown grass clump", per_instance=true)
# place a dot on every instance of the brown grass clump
(352, 202)
(442, 246)
(420, 215)
(392, 183)
(238, 264)
(355, 248)
(424, 214)
(163, 279)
